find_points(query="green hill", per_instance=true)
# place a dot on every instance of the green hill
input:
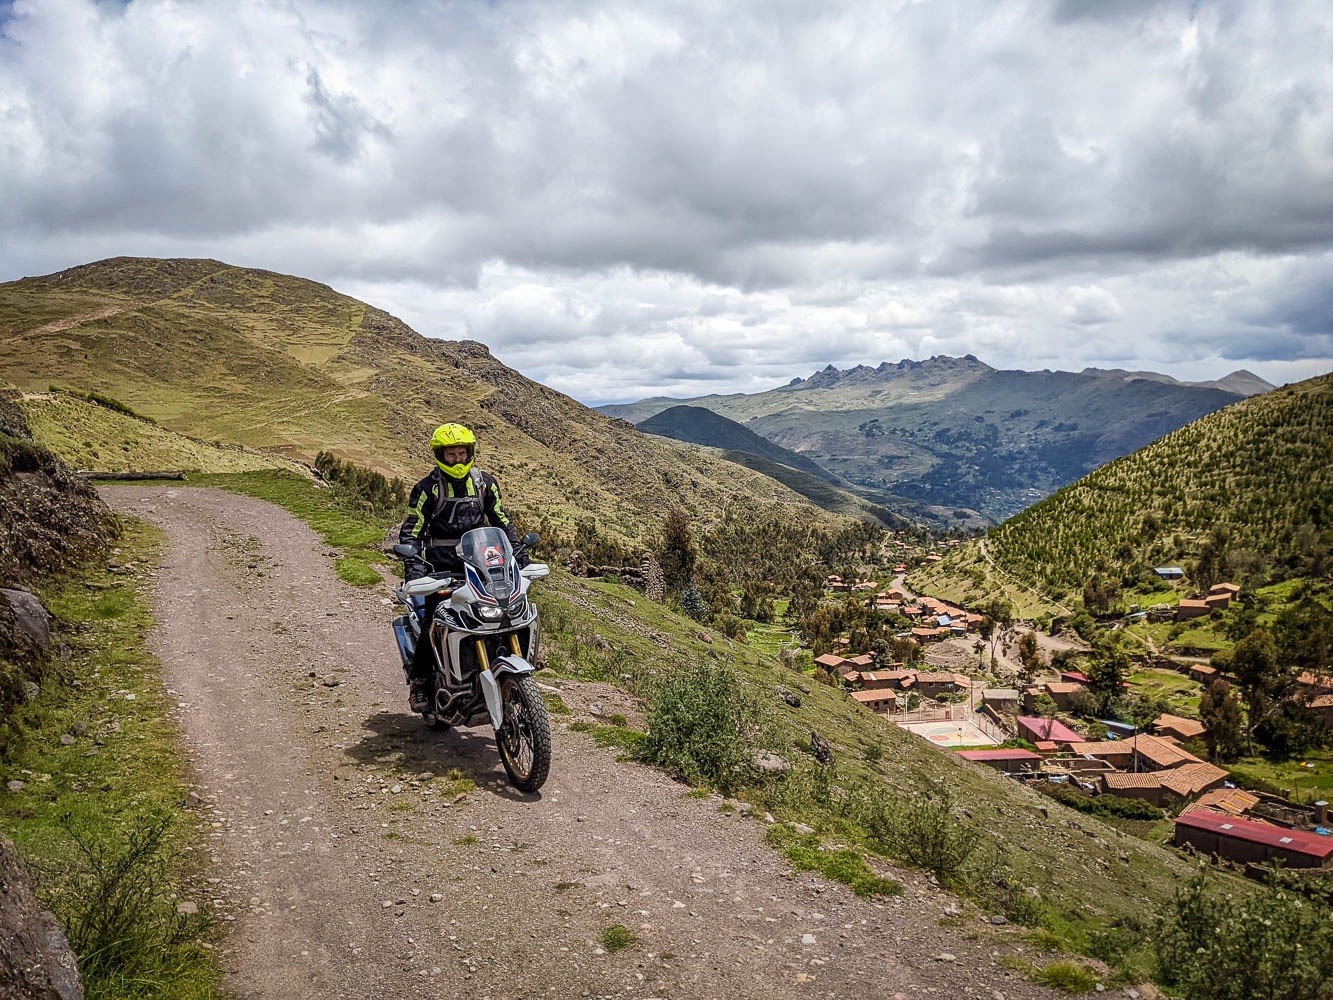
(699, 425)
(1245, 493)
(287, 367)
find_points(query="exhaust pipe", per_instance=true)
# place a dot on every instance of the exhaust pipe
(407, 643)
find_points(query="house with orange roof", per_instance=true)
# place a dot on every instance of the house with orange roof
(1203, 673)
(881, 701)
(923, 633)
(899, 680)
(1321, 707)
(1233, 801)
(932, 685)
(1140, 753)
(829, 661)
(1190, 608)
(1126, 785)
(1062, 693)
(1179, 727)
(1191, 780)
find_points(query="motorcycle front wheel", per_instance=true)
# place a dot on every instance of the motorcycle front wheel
(524, 739)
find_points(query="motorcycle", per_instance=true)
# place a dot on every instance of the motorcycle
(483, 636)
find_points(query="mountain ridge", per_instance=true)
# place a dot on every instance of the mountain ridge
(957, 433)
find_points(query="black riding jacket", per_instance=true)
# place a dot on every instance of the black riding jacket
(441, 508)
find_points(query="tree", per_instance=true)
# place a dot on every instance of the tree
(1029, 655)
(1100, 593)
(1045, 706)
(1001, 615)
(693, 603)
(676, 551)
(1264, 684)
(1220, 711)
(1212, 565)
(986, 629)
(1106, 674)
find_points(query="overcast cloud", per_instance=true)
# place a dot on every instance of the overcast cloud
(649, 196)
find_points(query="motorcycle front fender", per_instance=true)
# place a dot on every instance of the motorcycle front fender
(508, 664)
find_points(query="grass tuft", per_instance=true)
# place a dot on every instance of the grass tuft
(1067, 977)
(616, 937)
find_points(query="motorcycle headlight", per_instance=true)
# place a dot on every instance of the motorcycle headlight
(518, 607)
(489, 613)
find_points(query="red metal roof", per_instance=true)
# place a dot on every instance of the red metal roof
(1008, 753)
(1049, 729)
(1299, 841)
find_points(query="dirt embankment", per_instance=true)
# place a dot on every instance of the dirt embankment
(347, 866)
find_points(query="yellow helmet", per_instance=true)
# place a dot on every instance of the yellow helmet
(453, 436)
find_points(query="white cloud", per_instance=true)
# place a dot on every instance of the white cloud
(626, 198)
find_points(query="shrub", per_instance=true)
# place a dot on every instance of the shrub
(122, 922)
(361, 486)
(1266, 944)
(925, 832)
(730, 626)
(704, 726)
(1101, 805)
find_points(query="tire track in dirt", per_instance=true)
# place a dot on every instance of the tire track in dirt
(346, 872)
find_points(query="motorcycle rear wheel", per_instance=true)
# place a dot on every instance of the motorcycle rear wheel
(524, 739)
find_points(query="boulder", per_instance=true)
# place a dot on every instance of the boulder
(36, 961)
(30, 617)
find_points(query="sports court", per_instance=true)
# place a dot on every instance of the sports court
(958, 733)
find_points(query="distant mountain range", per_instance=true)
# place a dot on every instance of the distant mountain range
(956, 433)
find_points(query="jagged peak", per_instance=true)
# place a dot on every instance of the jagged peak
(831, 375)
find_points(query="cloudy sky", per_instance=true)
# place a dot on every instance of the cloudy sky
(685, 196)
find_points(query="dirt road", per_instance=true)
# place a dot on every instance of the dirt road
(344, 871)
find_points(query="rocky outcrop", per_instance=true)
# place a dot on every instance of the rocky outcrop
(36, 961)
(49, 517)
(50, 520)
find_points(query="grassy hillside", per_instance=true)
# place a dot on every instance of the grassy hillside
(1245, 493)
(290, 367)
(97, 438)
(699, 425)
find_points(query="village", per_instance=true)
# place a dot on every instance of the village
(983, 712)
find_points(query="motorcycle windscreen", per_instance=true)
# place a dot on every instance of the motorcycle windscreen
(487, 550)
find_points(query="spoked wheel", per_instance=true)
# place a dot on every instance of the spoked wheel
(524, 738)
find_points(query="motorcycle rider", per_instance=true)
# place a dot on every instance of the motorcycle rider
(454, 498)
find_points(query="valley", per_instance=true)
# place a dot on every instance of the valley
(955, 433)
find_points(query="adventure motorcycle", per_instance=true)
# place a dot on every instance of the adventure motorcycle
(483, 635)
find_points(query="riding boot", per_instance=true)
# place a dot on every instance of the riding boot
(421, 694)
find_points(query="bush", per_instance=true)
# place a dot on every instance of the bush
(1268, 944)
(1101, 805)
(361, 486)
(730, 626)
(122, 923)
(925, 832)
(704, 726)
(617, 936)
